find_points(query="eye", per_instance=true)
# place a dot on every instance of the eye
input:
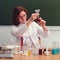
(24, 15)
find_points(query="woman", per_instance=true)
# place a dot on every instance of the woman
(28, 28)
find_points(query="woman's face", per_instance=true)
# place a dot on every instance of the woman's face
(22, 17)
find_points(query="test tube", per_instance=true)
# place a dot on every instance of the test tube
(21, 43)
(37, 11)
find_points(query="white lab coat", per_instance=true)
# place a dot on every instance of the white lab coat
(30, 34)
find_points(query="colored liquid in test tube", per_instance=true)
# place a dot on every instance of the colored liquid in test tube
(21, 43)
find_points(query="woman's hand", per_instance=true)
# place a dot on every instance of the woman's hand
(43, 24)
(34, 16)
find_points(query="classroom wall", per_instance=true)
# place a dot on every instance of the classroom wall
(6, 37)
(49, 10)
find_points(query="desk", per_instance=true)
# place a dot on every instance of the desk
(36, 57)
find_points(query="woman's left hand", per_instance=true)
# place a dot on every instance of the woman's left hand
(43, 24)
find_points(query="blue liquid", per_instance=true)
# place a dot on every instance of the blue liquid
(55, 51)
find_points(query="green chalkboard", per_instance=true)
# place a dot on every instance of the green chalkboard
(50, 10)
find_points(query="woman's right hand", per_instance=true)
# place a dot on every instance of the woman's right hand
(34, 16)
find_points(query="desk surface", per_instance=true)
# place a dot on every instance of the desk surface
(35, 57)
